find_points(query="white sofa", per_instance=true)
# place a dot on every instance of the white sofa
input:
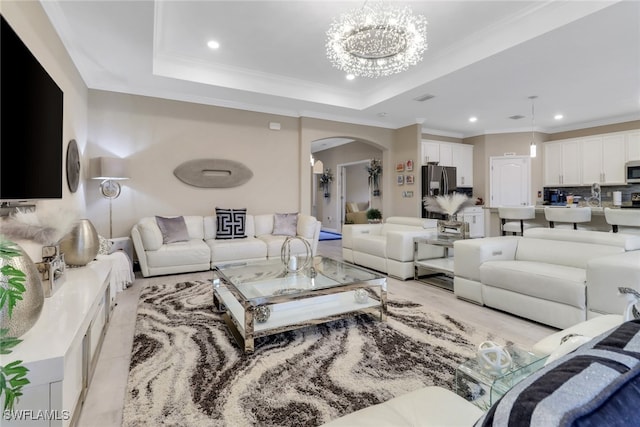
(547, 274)
(387, 247)
(203, 250)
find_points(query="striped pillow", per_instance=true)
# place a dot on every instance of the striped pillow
(230, 223)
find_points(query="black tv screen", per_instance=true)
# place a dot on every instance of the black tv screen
(31, 114)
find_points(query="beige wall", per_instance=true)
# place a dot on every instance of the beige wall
(157, 135)
(328, 210)
(316, 129)
(497, 145)
(407, 146)
(30, 22)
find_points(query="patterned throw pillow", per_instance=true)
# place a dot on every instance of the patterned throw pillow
(230, 223)
(285, 224)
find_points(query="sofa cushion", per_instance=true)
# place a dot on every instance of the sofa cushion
(625, 241)
(427, 406)
(223, 251)
(194, 251)
(551, 282)
(307, 226)
(285, 224)
(372, 244)
(209, 226)
(230, 223)
(263, 224)
(150, 233)
(195, 226)
(274, 245)
(571, 254)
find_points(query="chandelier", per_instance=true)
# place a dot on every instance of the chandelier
(376, 40)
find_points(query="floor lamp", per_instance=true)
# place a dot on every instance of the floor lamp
(110, 170)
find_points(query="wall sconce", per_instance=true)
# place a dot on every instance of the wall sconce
(110, 170)
(318, 167)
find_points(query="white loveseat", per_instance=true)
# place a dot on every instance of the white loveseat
(203, 250)
(546, 274)
(387, 247)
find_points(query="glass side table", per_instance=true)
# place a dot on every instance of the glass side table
(483, 388)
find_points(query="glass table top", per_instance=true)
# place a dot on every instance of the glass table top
(269, 278)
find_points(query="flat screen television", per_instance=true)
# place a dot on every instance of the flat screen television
(31, 114)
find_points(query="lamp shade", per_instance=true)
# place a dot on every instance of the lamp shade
(109, 168)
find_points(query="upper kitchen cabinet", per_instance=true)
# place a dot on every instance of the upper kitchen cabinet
(451, 154)
(430, 152)
(603, 158)
(463, 161)
(562, 163)
(633, 145)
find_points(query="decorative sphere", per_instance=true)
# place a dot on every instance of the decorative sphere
(361, 296)
(493, 358)
(262, 313)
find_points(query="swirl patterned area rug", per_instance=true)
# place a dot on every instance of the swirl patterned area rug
(186, 369)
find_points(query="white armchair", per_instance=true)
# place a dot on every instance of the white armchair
(387, 247)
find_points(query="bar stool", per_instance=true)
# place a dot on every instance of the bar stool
(570, 215)
(517, 214)
(628, 219)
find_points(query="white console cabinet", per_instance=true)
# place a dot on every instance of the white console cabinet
(474, 216)
(61, 349)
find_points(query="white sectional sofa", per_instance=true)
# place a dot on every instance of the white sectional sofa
(202, 251)
(552, 276)
(387, 247)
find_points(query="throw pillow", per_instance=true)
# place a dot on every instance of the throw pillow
(172, 229)
(230, 223)
(105, 246)
(285, 224)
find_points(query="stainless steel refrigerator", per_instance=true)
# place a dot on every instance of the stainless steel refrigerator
(437, 181)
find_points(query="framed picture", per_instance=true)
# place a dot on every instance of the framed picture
(399, 167)
(400, 179)
(407, 194)
(409, 166)
(409, 179)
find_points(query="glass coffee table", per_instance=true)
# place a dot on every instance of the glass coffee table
(261, 298)
(484, 388)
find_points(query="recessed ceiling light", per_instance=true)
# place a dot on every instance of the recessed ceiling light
(213, 44)
(558, 117)
(350, 76)
(473, 119)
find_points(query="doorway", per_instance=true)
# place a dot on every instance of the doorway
(353, 184)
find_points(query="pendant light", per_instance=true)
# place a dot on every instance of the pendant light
(532, 147)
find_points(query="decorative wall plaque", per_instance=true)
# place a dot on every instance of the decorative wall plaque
(73, 166)
(213, 173)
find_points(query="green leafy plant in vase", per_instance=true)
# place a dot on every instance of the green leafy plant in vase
(374, 216)
(13, 375)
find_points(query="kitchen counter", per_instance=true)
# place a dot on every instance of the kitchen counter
(597, 223)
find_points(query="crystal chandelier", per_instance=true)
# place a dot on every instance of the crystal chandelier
(376, 40)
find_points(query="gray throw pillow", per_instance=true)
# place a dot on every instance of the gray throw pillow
(285, 224)
(173, 229)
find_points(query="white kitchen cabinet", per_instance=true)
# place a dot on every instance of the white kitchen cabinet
(562, 163)
(430, 152)
(602, 159)
(633, 145)
(463, 161)
(451, 154)
(474, 216)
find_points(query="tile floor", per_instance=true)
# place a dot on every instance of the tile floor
(105, 399)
